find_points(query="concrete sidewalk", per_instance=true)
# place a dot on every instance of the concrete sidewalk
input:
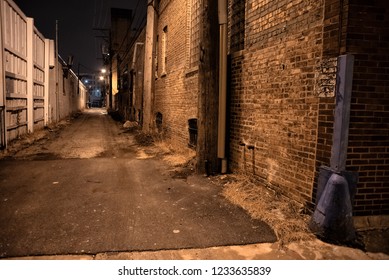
(311, 250)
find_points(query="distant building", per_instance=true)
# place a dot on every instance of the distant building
(96, 89)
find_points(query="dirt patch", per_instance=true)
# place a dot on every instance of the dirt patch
(183, 171)
(181, 161)
(30, 146)
(43, 156)
(144, 139)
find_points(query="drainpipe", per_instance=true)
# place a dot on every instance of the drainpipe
(332, 218)
(134, 57)
(221, 150)
(57, 65)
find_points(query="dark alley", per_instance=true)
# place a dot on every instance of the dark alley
(194, 129)
(71, 200)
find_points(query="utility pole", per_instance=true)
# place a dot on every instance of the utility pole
(3, 128)
(149, 66)
(110, 71)
(207, 159)
(57, 111)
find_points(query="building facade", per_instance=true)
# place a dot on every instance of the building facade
(176, 71)
(283, 94)
(284, 63)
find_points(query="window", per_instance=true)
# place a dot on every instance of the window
(164, 51)
(192, 123)
(237, 25)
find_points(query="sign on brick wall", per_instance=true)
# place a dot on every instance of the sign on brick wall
(326, 79)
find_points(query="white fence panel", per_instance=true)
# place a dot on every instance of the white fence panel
(15, 64)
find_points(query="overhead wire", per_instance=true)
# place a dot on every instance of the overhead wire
(100, 13)
(132, 43)
(100, 19)
(138, 28)
(106, 14)
(129, 27)
(137, 22)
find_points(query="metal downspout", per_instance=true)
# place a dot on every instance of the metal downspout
(137, 44)
(221, 150)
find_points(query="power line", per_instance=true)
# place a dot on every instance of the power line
(129, 27)
(106, 13)
(128, 50)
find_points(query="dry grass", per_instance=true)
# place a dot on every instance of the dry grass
(174, 155)
(179, 158)
(282, 214)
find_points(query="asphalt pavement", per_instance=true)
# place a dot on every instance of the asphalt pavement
(86, 191)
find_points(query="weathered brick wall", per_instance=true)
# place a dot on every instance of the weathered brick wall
(368, 153)
(176, 91)
(274, 102)
(283, 95)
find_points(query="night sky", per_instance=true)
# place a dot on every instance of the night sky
(77, 20)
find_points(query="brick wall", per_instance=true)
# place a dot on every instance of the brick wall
(176, 91)
(282, 90)
(368, 153)
(274, 105)
(283, 95)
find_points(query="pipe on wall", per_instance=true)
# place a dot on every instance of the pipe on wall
(221, 150)
(137, 44)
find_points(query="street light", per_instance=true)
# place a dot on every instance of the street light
(78, 78)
